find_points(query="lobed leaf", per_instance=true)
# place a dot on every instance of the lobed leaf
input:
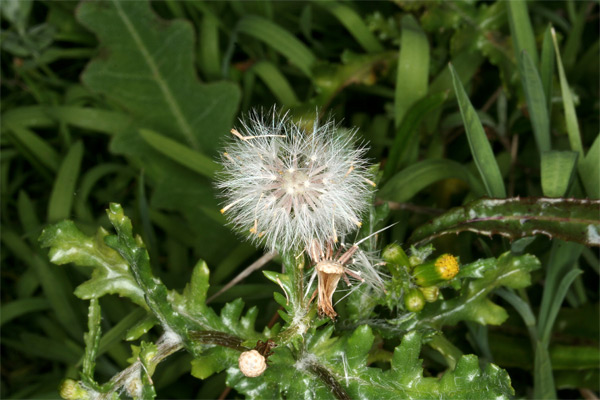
(111, 275)
(340, 365)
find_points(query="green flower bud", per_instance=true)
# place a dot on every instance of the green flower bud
(71, 390)
(431, 293)
(414, 261)
(414, 300)
(444, 268)
(393, 253)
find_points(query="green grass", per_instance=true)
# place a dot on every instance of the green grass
(130, 102)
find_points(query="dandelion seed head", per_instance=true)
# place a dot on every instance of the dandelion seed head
(288, 186)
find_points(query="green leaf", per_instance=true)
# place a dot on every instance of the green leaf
(543, 381)
(478, 142)
(93, 119)
(354, 24)
(568, 219)
(589, 171)
(17, 308)
(559, 295)
(55, 284)
(547, 67)
(135, 254)
(111, 273)
(176, 151)
(280, 40)
(61, 198)
(558, 170)
(230, 323)
(410, 181)
(213, 361)
(39, 148)
(409, 128)
(209, 53)
(412, 76)
(536, 102)
(149, 56)
(521, 29)
(330, 367)
(276, 82)
(568, 105)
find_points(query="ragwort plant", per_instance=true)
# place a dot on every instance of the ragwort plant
(436, 243)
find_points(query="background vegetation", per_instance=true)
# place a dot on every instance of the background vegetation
(129, 102)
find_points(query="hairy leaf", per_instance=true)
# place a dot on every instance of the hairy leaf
(567, 219)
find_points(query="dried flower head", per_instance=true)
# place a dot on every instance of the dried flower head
(288, 186)
(331, 265)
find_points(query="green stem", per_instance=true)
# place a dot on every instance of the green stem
(450, 352)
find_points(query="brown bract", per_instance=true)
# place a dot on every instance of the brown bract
(330, 268)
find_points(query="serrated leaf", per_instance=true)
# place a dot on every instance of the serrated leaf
(192, 303)
(111, 273)
(567, 219)
(326, 370)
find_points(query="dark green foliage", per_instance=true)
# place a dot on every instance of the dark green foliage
(129, 102)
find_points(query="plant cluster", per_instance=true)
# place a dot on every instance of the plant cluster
(418, 183)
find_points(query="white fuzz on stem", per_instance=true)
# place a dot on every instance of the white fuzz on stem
(288, 187)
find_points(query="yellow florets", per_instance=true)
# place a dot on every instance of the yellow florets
(447, 266)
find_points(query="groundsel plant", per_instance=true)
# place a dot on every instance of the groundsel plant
(288, 186)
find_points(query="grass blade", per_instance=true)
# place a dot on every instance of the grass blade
(413, 67)
(547, 68)
(38, 147)
(180, 153)
(557, 299)
(410, 181)
(17, 308)
(573, 43)
(280, 40)
(536, 102)
(478, 142)
(54, 283)
(558, 170)
(61, 198)
(96, 120)
(276, 82)
(589, 171)
(209, 53)
(355, 25)
(543, 380)
(409, 127)
(521, 29)
(569, 106)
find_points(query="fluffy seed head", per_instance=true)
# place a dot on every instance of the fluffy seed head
(287, 186)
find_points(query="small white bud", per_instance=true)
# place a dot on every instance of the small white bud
(252, 363)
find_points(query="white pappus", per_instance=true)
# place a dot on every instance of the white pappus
(288, 186)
